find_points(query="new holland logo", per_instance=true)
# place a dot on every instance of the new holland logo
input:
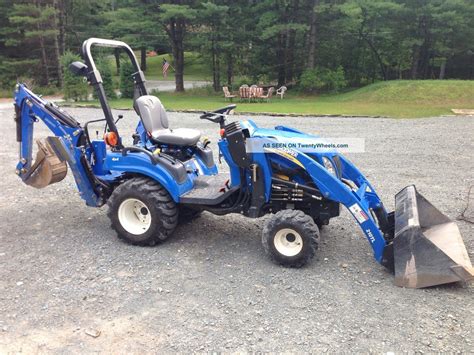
(289, 154)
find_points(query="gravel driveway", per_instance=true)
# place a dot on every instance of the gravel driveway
(69, 285)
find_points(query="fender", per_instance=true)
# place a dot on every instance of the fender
(139, 163)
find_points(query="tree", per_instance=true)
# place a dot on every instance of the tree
(126, 81)
(312, 36)
(33, 25)
(260, 40)
(175, 19)
(75, 87)
(279, 26)
(131, 24)
(213, 20)
(373, 21)
(103, 66)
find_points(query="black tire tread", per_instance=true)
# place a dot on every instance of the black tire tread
(187, 214)
(304, 223)
(160, 198)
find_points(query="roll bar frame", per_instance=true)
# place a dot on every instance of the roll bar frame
(95, 78)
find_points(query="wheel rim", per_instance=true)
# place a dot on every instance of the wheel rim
(288, 242)
(134, 216)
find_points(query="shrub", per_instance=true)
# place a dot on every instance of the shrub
(243, 80)
(75, 87)
(323, 80)
(126, 81)
(103, 66)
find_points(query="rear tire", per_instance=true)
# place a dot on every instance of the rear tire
(290, 238)
(187, 215)
(142, 212)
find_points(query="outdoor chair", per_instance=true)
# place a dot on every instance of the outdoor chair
(227, 94)
(253, 92)
(267, 97)
(281, 91)
(244, 93)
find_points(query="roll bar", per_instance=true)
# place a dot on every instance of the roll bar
(96, 80)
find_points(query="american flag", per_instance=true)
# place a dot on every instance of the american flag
(164, 67)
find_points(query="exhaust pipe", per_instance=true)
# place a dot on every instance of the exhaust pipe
(428, 248)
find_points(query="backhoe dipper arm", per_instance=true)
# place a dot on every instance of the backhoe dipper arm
(29, 109)
(95, 79)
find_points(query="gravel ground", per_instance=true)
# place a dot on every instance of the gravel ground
(65, 276)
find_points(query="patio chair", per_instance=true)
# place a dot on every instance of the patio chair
(253, 92)
(267, 97)
(281, 91)
(244, 93)
(227, 94)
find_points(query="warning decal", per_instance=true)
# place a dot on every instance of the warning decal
(358, 213)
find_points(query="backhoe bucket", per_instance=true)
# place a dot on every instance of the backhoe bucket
(428, 247)
(48, 168)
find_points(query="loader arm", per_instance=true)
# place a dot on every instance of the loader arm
(416, 242)
(359, 200)
(65, 146)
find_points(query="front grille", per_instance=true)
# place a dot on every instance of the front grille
(232, 127)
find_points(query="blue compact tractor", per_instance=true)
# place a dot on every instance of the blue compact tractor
(169, 175)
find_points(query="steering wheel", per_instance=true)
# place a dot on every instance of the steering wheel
(218, 115)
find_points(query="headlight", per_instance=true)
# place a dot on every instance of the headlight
(329, 166)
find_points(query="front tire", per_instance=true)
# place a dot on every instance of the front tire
(142, 212)
(290, 238)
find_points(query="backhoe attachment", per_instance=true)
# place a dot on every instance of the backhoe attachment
(428, 247)
(48, 167)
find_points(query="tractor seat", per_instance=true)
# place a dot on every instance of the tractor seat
(155, 121)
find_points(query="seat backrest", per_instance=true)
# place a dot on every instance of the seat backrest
(244, 92)
(226, 91)
(152, 113)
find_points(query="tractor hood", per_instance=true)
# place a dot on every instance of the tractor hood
(287, 136)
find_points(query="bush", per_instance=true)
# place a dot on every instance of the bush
(75, 87)
(243, 80)
(126, 81)
(103, 66)
(323, 80)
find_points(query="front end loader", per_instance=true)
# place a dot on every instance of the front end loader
(169, 175)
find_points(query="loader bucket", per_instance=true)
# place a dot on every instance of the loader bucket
(47, 169)
(428, 247)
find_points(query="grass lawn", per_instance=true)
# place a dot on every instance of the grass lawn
(195, 67)
(399, 99)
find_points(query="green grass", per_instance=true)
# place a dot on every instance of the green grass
(398, 99)
(195, 67)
